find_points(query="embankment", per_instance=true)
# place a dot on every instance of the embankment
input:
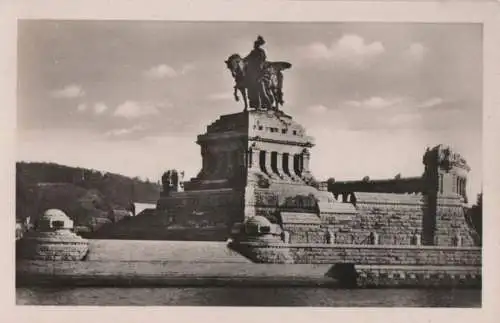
(125, 263)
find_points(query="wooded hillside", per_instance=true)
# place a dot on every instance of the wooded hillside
(86, 195)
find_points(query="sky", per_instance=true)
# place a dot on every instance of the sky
(130, 97)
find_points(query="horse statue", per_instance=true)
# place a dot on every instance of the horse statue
(264, 92)
(258, 81)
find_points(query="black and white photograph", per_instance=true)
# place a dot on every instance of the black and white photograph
(249, 163)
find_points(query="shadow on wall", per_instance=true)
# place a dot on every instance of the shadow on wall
(345, 274)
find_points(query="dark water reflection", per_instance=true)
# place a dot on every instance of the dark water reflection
(219, 296)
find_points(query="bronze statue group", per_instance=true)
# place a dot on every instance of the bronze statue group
(259, 81)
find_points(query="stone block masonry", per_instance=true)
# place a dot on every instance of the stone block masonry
(378, 265)
(398, 219)
(421, 276)
(367, 254)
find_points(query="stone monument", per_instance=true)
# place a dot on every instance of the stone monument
(255, 163)
(52, 239)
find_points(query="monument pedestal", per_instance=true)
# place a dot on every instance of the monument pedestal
(255, 163)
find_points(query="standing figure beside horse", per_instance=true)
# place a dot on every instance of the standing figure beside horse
(260, 82)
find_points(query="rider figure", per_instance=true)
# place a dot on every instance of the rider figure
(254, 70)
(257, 56)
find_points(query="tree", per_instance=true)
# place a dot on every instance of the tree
(475, 217)
(478, 214)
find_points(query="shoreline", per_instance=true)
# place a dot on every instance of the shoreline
(123, 274)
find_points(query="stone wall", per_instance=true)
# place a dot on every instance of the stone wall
(398, 219)
(207, 208)
(304, 233)
(451, 223)
(396, 185)
(422, 276)
(395, 218)
(366, 254)
(387, 255)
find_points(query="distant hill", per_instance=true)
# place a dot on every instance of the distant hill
(86, 195)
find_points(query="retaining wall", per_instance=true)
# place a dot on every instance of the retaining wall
(362, 254)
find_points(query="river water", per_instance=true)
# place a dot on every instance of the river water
(238, 296)
(206, 252)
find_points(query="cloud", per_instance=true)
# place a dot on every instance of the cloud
(81, 107)
(186, 68)
(416, 51)
(376, 113)
(163, 71)
(133, 109)
(317, 109)
(430, 103)
(404, 119)
(351, 49)
(100, 108)
(375, 102)
(124, 131)
(68, 92)
(379, 103)
(220, 96)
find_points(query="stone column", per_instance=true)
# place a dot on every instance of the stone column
(279, 165)
(268, 167)
(299, 165)
(290, 166)
(253, 159)
(306, 155)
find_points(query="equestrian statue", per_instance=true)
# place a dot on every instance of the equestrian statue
(260, 82)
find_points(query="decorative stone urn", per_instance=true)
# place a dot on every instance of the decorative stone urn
(52, 240)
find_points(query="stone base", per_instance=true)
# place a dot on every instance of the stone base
(424, 276)
(316, 253)
(216, 208)
(59, 245)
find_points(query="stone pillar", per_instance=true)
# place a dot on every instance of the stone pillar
(417, 240)
(329, 237)
(291, 168)
(268, 167)
(253, 159)
(299, 165)
(285, 236)
(279, 165)
(374, 240)
(306, 155)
